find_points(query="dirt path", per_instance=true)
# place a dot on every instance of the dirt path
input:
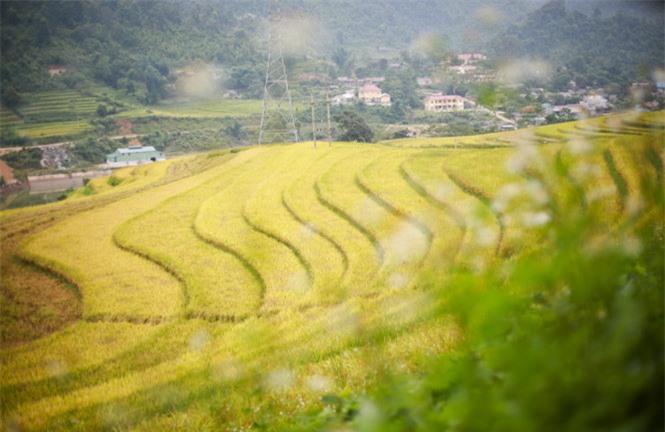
(7, 173)
(5, 150)
(487, 110)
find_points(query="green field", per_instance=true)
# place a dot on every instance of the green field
(68, 113)
(199, 108)
(498, 282)
(51, 114)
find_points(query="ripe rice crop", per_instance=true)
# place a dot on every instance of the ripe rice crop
(164, 230)
(292, 287)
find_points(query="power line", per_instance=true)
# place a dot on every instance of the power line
(277, 117)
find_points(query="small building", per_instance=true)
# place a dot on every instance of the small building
(134, 155)
(347, 98)
(471, 58)
(444, 103)
(463, 69)
(373, 95)
(57, 70)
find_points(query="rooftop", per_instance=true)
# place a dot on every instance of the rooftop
(137, 149)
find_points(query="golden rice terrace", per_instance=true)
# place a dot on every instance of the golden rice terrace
(242, 289)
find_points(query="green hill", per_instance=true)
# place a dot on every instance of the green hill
(599, 49)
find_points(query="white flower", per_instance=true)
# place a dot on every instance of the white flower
(279, 380)
(537, 192)
(535, 219)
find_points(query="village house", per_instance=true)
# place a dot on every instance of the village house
(54, 70)
(575, 109)
(463, 69)
(471, 58)
(370, 80)
(134, 155)
(468, 70)
(348, 97)
(444, 103)
(373, 95)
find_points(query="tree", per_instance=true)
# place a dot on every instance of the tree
(11, 97)
(354, 127)
(343, 59)
(403, 89)
(43, 32)
(101, 110)
(235, 130)
(565, 115)
(155, 84)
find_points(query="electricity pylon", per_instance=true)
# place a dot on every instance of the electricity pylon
(277, 118)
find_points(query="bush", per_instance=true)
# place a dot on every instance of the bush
(9, 138)
(114, 181)
(25, 159)
(94, 150)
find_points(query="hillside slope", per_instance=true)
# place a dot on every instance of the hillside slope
(352, 285)
(596, 50)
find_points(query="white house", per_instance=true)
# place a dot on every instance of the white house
(444, 103)
(134, 155)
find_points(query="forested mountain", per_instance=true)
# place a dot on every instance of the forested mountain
(397, 24)
(135, 46)
(130, 45)
(600, 49)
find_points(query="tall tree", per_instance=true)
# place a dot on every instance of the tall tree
(354, 127)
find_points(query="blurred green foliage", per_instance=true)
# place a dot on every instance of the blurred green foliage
(567, 337)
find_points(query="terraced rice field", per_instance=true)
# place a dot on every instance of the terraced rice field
(200, 108)
(53, 113)
(67, 112)
(8, 118)
(215, 292)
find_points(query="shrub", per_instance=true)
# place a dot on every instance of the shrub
(114, 181)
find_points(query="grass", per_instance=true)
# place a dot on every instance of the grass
(9, 118)
(199, 108)
(54, 129)
(280, 286)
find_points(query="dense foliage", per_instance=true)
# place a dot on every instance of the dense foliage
(94, 150)
(128, 45)
(24, 159)
(353, 127)
(140, 47)
(591, 50)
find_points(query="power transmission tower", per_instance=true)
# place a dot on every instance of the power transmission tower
(329, 125)
(311, 102)
(277, 118)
